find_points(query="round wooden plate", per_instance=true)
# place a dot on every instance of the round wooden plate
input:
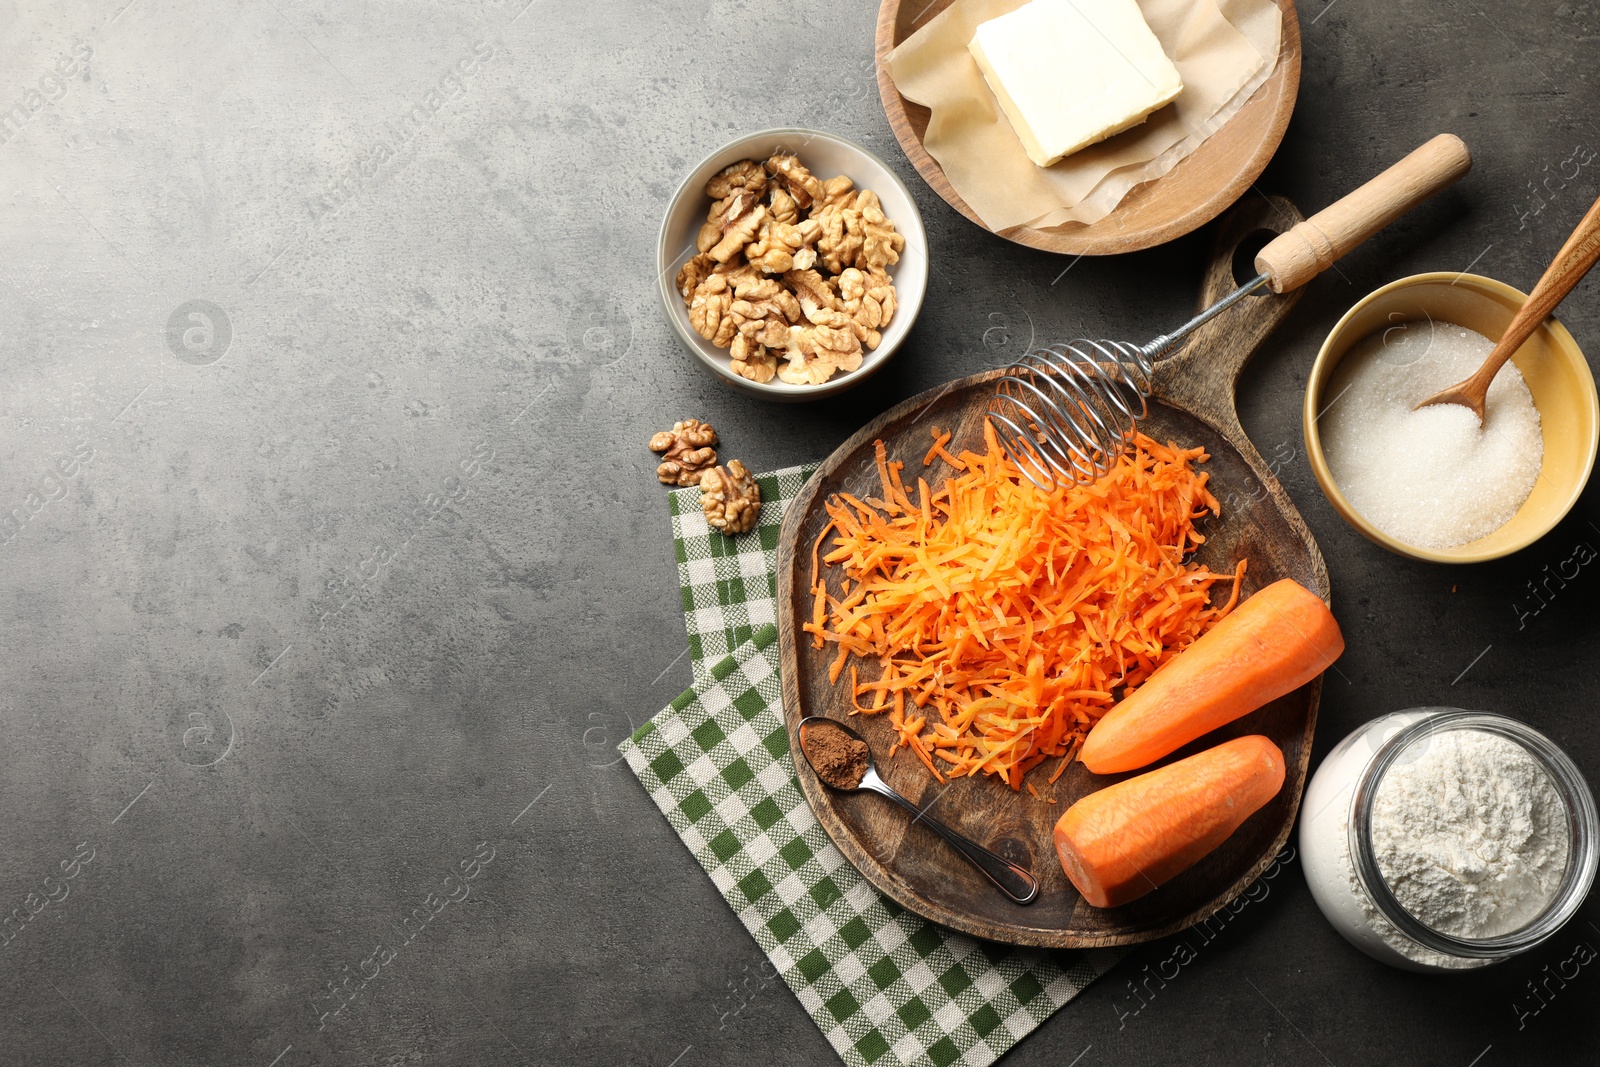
(909, 863)
(1187, 197)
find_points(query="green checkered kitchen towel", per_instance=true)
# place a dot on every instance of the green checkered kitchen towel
(727, 582)
(884, 985)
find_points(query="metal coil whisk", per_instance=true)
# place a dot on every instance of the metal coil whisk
(1067, 412)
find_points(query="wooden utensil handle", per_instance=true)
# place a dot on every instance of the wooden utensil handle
(1296, 257)
(1574, 260)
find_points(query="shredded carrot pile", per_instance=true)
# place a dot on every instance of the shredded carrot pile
(1003, 620)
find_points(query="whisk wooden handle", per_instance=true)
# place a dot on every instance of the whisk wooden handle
(1295, 257)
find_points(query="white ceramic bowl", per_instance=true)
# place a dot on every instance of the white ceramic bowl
(825, 155)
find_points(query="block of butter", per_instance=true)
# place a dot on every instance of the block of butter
(1069, 73)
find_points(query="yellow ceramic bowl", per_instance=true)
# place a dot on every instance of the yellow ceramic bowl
(1551, 363)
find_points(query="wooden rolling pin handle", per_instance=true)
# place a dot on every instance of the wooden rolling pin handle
(1295, 257)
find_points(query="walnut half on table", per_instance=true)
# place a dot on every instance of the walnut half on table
(791, 273)
(730, 498)
(688, 450)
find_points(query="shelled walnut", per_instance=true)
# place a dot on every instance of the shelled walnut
(869, 302)
(688, 450)
(791, 271)
(816, 352)
(789, 172)
(692, 273)
(754, 359)
(708, 310)
(730, 499)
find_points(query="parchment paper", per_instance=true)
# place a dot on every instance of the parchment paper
(1224, 50)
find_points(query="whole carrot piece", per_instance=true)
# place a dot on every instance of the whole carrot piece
(1118, 844)
(1272, 644)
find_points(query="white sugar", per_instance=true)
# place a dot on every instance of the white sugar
(1431, 478)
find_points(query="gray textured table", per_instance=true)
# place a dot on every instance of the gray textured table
(354, 580)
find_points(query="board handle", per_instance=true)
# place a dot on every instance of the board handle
(1200, 376)
(1310, 248)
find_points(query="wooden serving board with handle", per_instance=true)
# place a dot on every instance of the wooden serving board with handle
(1193, 405)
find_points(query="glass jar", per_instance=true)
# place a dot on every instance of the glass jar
(1336, 842)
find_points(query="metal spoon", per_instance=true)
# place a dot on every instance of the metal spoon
(1565, 271)
(1014, 881)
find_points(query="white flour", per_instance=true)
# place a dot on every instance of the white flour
(1470, 836)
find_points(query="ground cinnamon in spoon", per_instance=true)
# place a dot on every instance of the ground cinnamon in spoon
(839, 759)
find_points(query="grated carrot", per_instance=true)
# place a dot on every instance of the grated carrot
(1003, 619)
